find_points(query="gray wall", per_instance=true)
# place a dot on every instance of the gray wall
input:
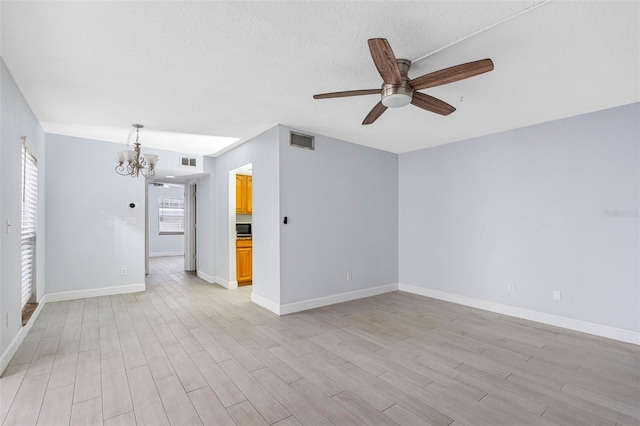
(342, 204)
(533, 207)
(205, 219)
(214, 193)
(88, 241)
(16, 120)
(159, 244)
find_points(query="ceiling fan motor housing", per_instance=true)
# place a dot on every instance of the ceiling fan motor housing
(394, 95)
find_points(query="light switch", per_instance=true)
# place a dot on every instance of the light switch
(8, 226)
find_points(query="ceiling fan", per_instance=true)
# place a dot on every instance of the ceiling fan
(399, 90)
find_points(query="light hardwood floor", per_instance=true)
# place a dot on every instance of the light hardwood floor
(188, 352)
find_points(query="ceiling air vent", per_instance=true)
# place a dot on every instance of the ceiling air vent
(302, 141)
(188, 162)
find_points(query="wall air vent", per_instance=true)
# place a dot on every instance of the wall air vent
(188, 162)
(302, 141)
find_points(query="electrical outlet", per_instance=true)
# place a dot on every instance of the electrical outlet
(348, 276)
(123, 272)
(557, 295)
(511, 288)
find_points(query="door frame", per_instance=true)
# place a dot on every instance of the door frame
(190, 223)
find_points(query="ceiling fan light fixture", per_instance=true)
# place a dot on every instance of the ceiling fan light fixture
(396, 96)
(396, 100)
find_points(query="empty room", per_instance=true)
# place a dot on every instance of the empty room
(310, 212)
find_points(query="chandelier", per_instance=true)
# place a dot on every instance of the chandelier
(136, 163)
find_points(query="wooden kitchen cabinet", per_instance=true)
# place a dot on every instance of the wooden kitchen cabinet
(244, 204)
(244, 262)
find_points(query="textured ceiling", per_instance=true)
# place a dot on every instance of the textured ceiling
(236, 69)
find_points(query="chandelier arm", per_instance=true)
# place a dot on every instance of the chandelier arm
(139, 164)
(150, 174)
(142, 163)
(121, 170)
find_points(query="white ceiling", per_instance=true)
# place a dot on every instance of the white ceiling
(236, 69)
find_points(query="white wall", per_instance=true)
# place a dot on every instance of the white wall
(163, 245)
(88, 241)
(532, 207)
(16, 120)
(341, 201)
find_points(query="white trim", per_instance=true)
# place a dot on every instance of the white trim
(303, 305)
(31, 147)
(224, 283)
(265, 303)
(189, 251)
(227, 284)
(230, 285)
(217, 280)
(601, 330)
(20, 335)
(231, 229)
(166, 253)
(208, 278)
(94, 292)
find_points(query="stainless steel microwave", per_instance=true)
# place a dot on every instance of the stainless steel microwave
(243, 229)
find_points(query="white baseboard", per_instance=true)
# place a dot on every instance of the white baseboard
(208, 278)
(226, 284)
(217, 280)
(20, 335)
(166, 253)
(601, 330)
(95, 292)
(265, 303)
(303, 305)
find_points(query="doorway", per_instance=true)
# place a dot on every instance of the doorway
(170, 224)
(241, 225)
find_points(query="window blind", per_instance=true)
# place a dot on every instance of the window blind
(29, 215)
(170, 216)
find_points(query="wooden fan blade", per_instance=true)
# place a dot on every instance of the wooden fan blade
(451, 74)
(431, 104)
(347, 93)
(385, 60)
(374, 113)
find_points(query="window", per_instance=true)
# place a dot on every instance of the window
(29, 216)
(170, 216)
